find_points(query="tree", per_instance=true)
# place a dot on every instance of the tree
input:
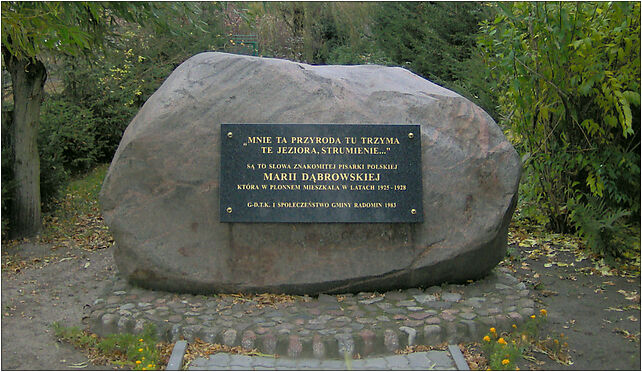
(30, 32)
(436, 40)
(570, 75)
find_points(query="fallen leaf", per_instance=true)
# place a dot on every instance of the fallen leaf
(78, 365)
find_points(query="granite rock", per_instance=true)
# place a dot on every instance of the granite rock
(160, 198)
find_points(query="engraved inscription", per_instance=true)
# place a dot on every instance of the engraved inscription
(320, 173)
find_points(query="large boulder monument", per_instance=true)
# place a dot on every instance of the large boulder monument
(182, 163)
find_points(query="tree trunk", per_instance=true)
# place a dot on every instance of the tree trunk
(28, 79)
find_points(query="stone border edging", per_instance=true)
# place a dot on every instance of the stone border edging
(175, 362)
(460, 362)
(362, 324)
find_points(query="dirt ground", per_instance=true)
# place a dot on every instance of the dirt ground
(599, 315)
(47, 292)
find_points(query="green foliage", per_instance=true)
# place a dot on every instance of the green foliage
(568, 76)
(68, 135)
(602, 229)
(505, 349)
(30, 29)
(74, 335)
(318, 33)
(139, 351)
(79, 196)
(437, 40)
(124, 63)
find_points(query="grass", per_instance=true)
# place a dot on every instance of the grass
(75, 221)
(139, 352)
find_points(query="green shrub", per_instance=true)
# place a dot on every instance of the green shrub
(602, 229)
(569, 100)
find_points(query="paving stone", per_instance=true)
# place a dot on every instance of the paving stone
(394, 310)
(395, 295)
(411, 332)
(358, 364)
(432, 334)
(368, 342)
(113, 300)
(391, 340)
(229, 337)
(357, 326)
(526, 302)
(308, 364)
(318, 347)
(425, 298)
(398, 363)
(419, 316)
(248, 339)
(472, 329)
(413, 323)
(442, 360)
(526, 312)
(448, 317)
(285, 363)
(459, 310)
(451, 297)
(432, 320)
(221, 359)
(419, 361)
(370, 301)
(468, 316)
(406, 303)
(268, 341)
(295, 346)
(375, 363)
(332, 365)
(345, 343)
(439, 305)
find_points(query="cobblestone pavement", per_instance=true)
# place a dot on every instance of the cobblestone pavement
(323, 327)
(431, 360)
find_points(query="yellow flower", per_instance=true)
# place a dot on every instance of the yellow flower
(533, 316)
(493, 330)
(143, 358)
(514, 325)
(141, 349)
(486, 338)
(150, 366)
(505, 362)
(144, 369)
(543, 312)
(138, 362)
(140, 340)
(501, 341)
